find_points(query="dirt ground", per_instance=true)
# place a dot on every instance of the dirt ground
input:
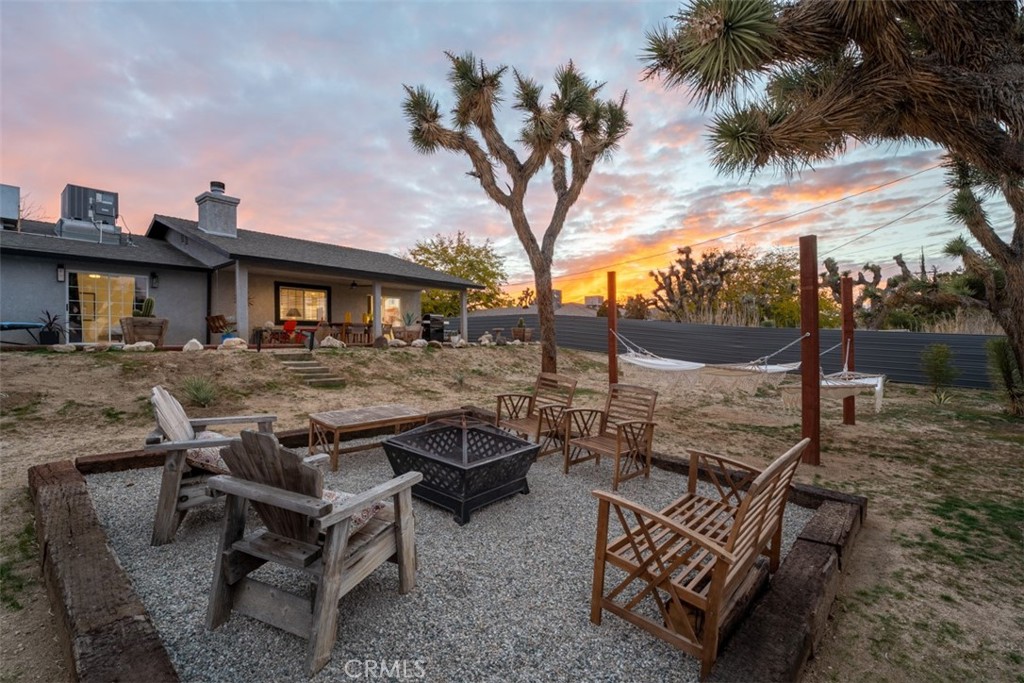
(934, 590)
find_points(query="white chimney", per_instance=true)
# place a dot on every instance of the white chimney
(217, 211)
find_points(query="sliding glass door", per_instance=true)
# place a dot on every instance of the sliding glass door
(98, 301)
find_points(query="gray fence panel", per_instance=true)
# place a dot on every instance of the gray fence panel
(896, 354)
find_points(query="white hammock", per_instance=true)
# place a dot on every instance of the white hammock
(727, 377)
(838, 385)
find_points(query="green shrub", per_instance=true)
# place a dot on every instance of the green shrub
(199, 390)
(937, 364)
(1003, 368)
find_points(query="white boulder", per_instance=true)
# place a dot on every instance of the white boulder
(192, 345)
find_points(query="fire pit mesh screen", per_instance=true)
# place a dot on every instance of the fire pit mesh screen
(465, 463)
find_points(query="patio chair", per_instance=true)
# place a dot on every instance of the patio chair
(192, 456)
(538, 415)
(217, 324)
(337, 544)
(686, 567)
(624, 430)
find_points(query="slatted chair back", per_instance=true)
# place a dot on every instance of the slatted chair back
(627, 402)
(759, 517)
(170, 416)
(258, 457)
(552, 389)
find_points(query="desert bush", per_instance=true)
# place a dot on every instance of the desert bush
(937, 365)
(1005, 373)
(200, 391)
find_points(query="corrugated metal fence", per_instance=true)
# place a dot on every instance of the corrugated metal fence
(896, 354)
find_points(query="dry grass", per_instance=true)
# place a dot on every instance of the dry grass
(934, 591)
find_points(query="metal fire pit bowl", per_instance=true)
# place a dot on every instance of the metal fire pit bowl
(466, 464)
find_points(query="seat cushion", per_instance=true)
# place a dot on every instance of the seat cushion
(207, 458)
(361, 517)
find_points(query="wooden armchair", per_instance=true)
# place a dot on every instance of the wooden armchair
(538, 416)
(337, 544)
(624, 430)
(217, 324)
(192, 457)
(695, 558)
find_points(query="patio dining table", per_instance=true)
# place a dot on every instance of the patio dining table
(27, 327)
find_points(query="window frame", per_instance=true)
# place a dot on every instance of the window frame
(278, 284)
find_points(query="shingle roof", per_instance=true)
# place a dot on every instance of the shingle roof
(39, 238)
(263, 246)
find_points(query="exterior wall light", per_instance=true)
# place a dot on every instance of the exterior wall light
(61, 273)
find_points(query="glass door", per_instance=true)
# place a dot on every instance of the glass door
(98, 301)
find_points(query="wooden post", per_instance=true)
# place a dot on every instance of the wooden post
(613, 342)
(810, 364)
(846, 295)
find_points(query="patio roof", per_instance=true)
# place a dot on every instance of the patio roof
(284, 251)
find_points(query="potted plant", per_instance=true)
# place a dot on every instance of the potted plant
(522, 332)
(143, 326)
(51, 330)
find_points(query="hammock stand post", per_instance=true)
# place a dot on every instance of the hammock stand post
(846, 296)
(810, 363)
(613, 342)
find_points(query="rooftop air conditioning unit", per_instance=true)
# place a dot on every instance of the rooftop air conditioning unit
(86, 204)
(10, 200)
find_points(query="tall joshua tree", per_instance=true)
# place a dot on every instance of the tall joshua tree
(950, 73)
(571, 130)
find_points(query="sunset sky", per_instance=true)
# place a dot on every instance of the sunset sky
(297, 108)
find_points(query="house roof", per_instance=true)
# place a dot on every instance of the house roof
(292, 251)
(38, 238)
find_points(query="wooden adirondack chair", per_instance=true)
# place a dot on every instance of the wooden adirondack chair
(624, 430)
(538, 416)
(337, 544)
(694, 558)
(192, 457)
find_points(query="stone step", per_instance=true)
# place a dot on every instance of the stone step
(301, 365)
(311, 372)
(324, 381)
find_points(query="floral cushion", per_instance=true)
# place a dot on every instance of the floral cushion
(361, 517)
(207, 458)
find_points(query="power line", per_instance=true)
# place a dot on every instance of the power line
(569, 276)
(885, 225)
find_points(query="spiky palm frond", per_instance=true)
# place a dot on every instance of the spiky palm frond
(477, 89)
(527, 96)
(423, 114)
(956, 247)
(965, 207)
(716, 46)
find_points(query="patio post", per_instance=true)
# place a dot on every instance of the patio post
(378, 328)
(613, 324)
(464, 315)
(810, 363)
(846, 294)
(242, 300)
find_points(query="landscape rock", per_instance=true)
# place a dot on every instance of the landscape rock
(418, 343)
(397, 343)
(380, 342)
(192, 345)
(460, 343)
(140, 346)
(434, 344)
(486, 339)
(62, 348)
(233, 344)
(330, 342)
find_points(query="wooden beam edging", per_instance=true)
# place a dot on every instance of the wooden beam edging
(106, 633)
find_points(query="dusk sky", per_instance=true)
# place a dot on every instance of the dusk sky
(296, 107)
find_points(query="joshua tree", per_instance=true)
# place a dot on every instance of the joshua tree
(572, 130)
(950, 73)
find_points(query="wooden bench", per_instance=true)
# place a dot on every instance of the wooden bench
(624, 430)
(685, 566)
(538, 415)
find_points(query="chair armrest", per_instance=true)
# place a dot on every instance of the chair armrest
(368, 497)
(261, 493)
(233, 419)
(644, 513)
(721, 462)
(317, 460)
(581, 421)
(165, 446)
(633, 430)
(515, 406)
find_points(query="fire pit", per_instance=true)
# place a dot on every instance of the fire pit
(465, 464)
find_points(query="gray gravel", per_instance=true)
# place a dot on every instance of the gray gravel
(506, 597)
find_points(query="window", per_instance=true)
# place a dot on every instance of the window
(306, 304)
(98, 301)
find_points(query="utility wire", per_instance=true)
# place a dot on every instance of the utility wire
(569, 276)
(887, 224)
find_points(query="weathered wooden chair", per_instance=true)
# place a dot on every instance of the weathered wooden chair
(338, 544)
(624, 430)
(192, 457)
(696, 557)
(538, 415)
(217, 324)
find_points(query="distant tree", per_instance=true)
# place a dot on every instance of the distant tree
(458, 256)
(572, 131)
(526, 298)
(765, 288)
(637, 307)
(688, 290)
(793, 82)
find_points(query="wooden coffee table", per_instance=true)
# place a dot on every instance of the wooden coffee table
(325, 429)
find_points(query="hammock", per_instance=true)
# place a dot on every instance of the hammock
(842, 384)
(727, 376)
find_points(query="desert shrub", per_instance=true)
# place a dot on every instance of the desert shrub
(937, 364)
(1002, 366)
(199, 390)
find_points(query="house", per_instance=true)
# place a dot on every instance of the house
(97, 273)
